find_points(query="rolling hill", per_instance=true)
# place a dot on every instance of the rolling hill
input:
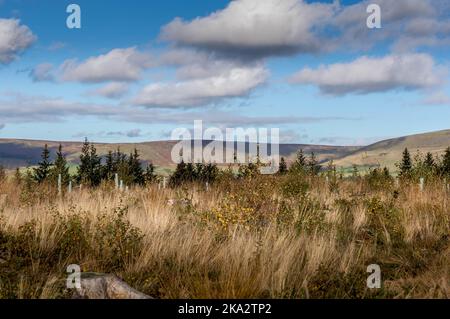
(388, 152)
(22, 153)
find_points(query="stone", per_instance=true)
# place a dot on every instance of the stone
(106, 286)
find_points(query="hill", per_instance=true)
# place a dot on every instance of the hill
(20, 153)
(388, 152)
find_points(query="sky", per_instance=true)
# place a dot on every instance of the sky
(137, 70)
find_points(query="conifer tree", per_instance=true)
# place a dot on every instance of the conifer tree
(313, 165)
(445, 165)
(42, 172)
(282, 169)
(405, 165)
(149, 174)
(60, 167)
(89, 170)
(135, 168)
(178, 176)
(300, 164)
(108, 170)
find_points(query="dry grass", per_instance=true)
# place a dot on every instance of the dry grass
(268, 237)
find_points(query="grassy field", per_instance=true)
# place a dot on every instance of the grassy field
(263, 237)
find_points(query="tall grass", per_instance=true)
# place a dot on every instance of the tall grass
(264, 237)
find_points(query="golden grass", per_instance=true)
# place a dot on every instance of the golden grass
(242, 239)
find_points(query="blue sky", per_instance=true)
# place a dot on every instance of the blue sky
(136, 70)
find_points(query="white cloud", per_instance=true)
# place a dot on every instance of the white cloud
(14, 39)
(112, 90)
(234, 82)
(19, 108)
(117, 65)
(366, 74)
(254, 28)
(437, 98)
(42, 72)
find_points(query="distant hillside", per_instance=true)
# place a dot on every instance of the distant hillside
(20, 153)
(388, 152)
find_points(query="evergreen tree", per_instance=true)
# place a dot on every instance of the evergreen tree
(90, 167)
(190, 173)
(429, 161)
(108, 170)
(405, 165)
(42, 172)
(445, 165)
(300, 164)
(150, 175)
(177, 178)
(136, 171)
(282, 169)
(313, 165)
(60, 167)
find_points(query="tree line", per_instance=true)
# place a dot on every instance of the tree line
(93, 168)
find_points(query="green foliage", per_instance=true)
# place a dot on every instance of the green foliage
(89, 171)
(313, 165)
(60, 168)
(300, 164)
(379, 179)
(188, 173)
(445, 166)
(294, 186)
(282, 170)
(405, 166)
(42, 172)
(149, 175)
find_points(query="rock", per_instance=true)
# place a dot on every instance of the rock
(105, 286)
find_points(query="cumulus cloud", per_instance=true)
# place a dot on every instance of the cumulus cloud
(42, 72)
(406, 24)
(112, 90)
(254, 28)
(14, 39)
(234, 82)
(367, 75)
(121, 65)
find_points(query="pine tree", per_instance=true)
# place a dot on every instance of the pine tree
(406, 164)
(313, 165)
(445, 165)
(300, 164)
(177, 178)
(42, 172)
(282, 169)
(108, 171)
(60, 167)
(136, 171)
(150, 175)
(90, 167)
